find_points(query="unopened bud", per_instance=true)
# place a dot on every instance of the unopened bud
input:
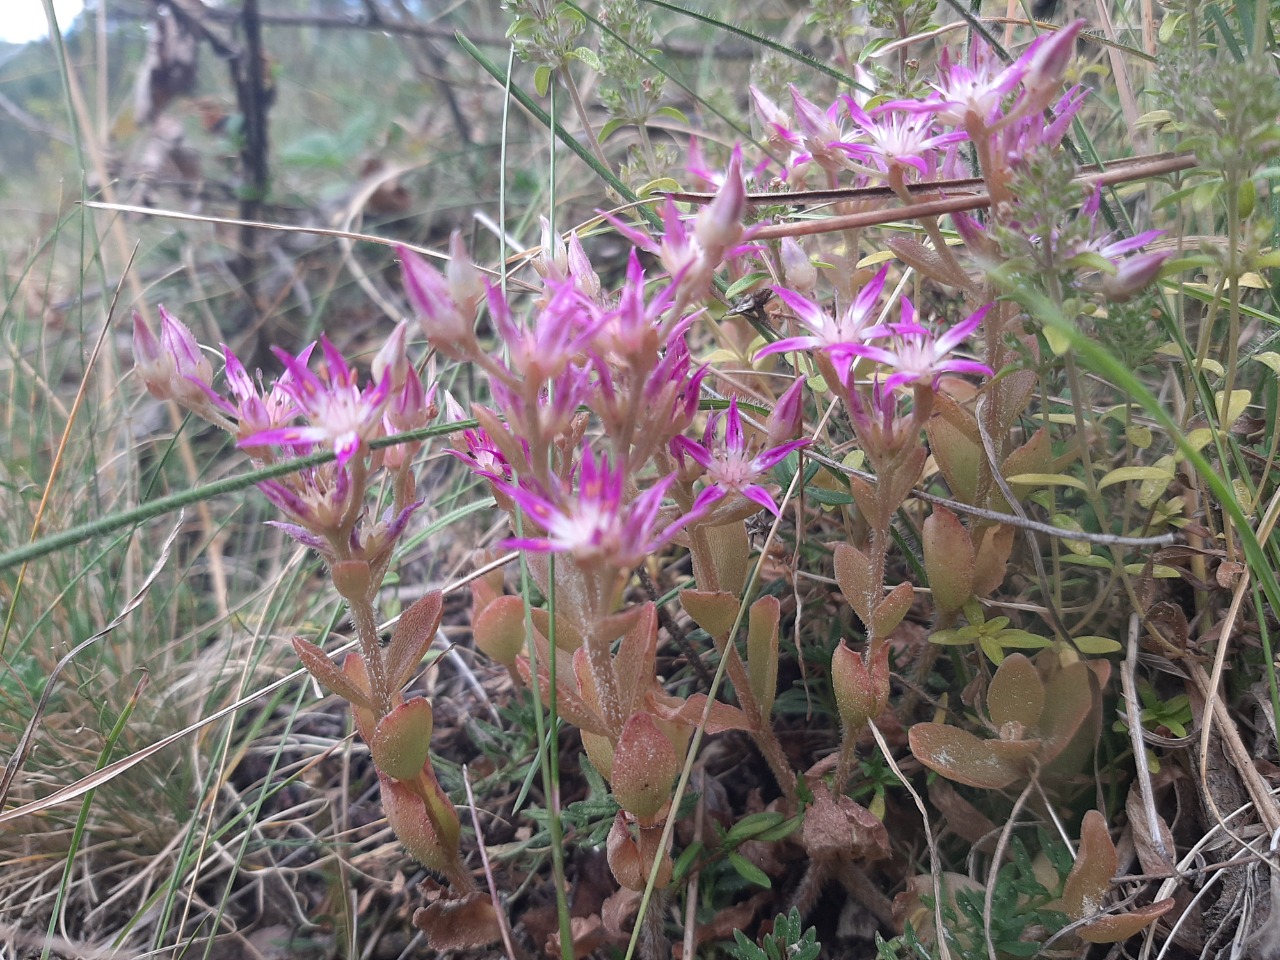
(585, 278)
(719, 226)
(1046, 63)
(552, 263)
(172, 366)
(447, 327)
(466, 285)
(787, 416)
(1133, 275)
(797, 268)
(392, 356)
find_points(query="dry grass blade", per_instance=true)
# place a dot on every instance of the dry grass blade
(28, 735)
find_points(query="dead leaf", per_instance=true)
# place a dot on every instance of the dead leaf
(459, 924)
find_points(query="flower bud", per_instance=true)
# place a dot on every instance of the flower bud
(787, 415)
(585, 279)
(1046, 62)
(173, 367)
(798, 270)
(392, 357)
(719, 226)
(552, 263)
(1133, 275)
(447, 327)
(862, 689)
(466, 285)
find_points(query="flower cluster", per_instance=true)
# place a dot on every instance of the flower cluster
(303, 412)
(622, 357)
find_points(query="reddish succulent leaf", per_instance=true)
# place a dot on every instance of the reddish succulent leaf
(956, 446)
(624, 855)
(762, 652)
(569, 705)
(1034, 456)
(499, 629)
(730, 555)
(1016, 693)
(635, 663)
(412, 635)
(1096, 864)
(723, 716)
(891, 609)
(713, 610)
(854, 575)
(1118, 927)
(328, 673)
(645, 767)
(861, 688)
(1068, 701)
(948, 559)
(960, 756)
(991, 557)
(402, 740)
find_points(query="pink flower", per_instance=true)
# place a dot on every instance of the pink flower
(822, 131)
(1134, 274)
(729, 463)
(540, 351)
(970, 93)
(597, 524)
(482, 455)
(897, 139)
(777, 123)
(631, 333)
(1044, 64)
(834, 335)
(915, 354)
(258, 410)
(340, 414)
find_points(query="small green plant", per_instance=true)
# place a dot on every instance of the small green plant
(785, 942)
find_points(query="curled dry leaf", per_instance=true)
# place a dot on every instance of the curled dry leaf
(458, 924)
(838, 828)
(1089, 883)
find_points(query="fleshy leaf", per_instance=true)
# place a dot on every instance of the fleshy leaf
(402, 740)
(412, 636)
(960, 756)
(856, 579)
(499, 629)
(1016, 693)
(329, 674)
(948, 559)
(762, 652)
